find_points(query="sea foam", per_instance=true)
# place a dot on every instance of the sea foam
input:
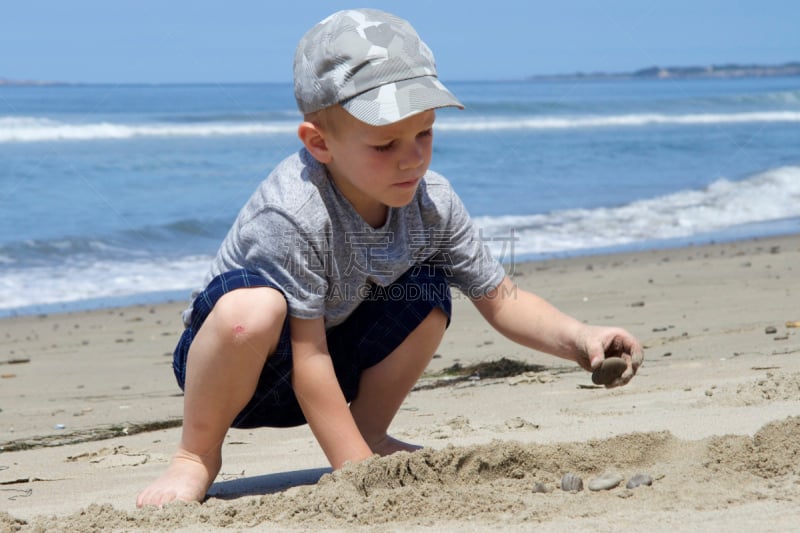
(33, 129)
(768, 196)
(40, 129)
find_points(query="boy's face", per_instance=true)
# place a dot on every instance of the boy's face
(376, 167)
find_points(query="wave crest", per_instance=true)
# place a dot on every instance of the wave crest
(33, 129)
(37, 129)
(769, 196)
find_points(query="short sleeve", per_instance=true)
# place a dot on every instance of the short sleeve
(275, 246)
(474, 271)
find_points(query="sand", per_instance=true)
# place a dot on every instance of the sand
(90, 413)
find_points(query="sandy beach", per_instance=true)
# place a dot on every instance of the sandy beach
(90, 413)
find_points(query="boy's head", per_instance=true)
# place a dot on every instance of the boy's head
(371, 63)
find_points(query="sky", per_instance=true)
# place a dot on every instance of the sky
(178, 41)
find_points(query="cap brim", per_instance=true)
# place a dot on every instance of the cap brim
(399, 100)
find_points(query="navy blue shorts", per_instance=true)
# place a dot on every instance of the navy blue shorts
(373, 331)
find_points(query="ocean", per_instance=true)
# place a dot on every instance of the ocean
(120, 194)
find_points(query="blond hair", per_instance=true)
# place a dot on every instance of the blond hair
(325, 119)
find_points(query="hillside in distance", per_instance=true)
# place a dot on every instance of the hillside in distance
(729, 70)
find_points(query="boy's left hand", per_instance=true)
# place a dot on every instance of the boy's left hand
(599, 343)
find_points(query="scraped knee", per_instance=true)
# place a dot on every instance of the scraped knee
(250, 316)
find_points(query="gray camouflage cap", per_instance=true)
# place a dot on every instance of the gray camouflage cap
(372, 63)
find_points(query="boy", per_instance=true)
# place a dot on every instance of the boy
(331, 292)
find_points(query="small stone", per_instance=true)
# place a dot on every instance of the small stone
(515, 423)
(639, 480)
(608, 371)
(541, 488)
(770, 330)
(605, 481)
(571, 483)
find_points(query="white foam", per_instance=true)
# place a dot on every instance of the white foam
(33, 129)
(78, 280)
(627, 120)
(768, 196)
(36, 129)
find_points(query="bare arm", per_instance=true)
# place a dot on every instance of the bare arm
(533, 322)
(321, 397)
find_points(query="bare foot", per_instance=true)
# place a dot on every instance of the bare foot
(389, 445)
(187, 478)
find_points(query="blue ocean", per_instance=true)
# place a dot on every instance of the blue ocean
(119, 194)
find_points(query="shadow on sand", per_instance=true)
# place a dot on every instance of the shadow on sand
(265, 484)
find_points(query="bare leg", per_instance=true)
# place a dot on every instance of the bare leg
(222, 370)
(384, 387)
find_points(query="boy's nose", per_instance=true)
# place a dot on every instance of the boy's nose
(413, 157)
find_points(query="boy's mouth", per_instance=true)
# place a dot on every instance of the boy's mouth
(408, 184)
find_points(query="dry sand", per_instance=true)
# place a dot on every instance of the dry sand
(90, 414)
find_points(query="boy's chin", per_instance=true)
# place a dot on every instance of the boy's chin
(400, 203)
(402, 200)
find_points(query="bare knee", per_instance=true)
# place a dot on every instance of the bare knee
(252, 316)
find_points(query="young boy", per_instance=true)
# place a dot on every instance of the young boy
(331, 292)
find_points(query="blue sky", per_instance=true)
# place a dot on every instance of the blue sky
(179, 41)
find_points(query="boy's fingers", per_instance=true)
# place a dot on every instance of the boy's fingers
(637, 356)
(630, 351)
(629, 371)
(596, 356)
(619, 344)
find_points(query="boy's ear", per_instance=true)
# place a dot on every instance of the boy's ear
(314, 140)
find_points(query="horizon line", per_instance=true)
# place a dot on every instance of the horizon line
(651, 72)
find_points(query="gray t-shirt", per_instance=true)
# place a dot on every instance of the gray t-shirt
(301, 233)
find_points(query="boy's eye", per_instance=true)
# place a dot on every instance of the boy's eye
(388, 146)
(384, 147)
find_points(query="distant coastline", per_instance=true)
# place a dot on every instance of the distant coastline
(730, 70)
(29, 83)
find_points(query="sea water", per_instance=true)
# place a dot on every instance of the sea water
(122, 193)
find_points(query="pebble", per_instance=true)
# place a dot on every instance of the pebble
(541, 488)
(605, 481)
(609, 370)
(571, 483)
(638, 480)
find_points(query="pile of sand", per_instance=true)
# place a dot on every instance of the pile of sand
(492, 484)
